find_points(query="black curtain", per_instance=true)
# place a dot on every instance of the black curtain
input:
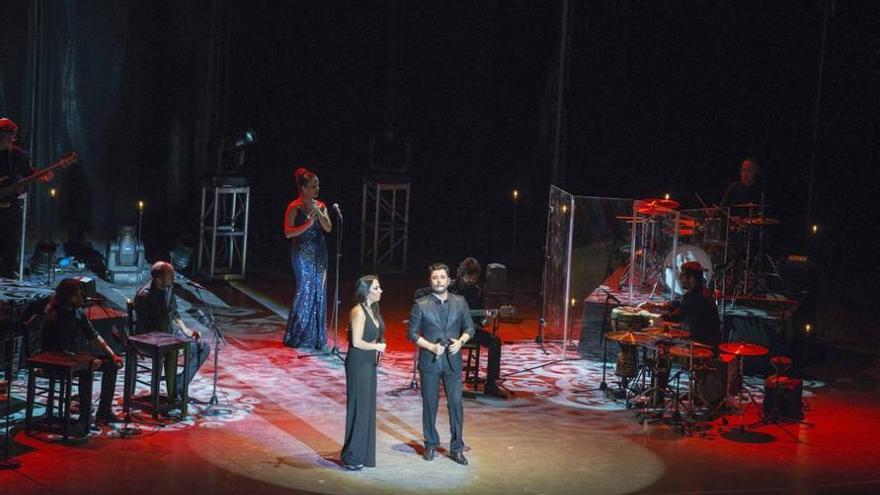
(136, 88)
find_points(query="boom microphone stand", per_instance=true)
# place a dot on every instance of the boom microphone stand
(219, 340)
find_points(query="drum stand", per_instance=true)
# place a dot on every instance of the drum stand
(734, 399)
(651, 397)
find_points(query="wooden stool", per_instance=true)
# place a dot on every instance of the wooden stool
(471, 365)
(60, 368)
(153, 346)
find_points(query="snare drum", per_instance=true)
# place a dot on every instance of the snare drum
(627, 319)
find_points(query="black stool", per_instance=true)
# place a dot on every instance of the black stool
(60, 368)
(153, 346)
(471, 367)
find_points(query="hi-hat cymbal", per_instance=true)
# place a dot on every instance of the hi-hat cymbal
(762, 220)
(631, 338)
(748, 205)
(743, 349)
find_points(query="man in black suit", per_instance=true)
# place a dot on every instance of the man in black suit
(440, 323)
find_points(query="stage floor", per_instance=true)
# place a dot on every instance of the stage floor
(285, 414)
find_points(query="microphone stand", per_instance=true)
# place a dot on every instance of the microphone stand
(219, 340)
(334, 351)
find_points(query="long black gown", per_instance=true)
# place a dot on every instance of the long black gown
(360, 391)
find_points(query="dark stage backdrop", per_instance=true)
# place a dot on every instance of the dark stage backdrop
(660, 97)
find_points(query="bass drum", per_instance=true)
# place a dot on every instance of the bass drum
(685, 253)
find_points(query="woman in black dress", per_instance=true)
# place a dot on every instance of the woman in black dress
(365, 330)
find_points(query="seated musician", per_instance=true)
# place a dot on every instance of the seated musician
(696, 311)
(465, 284)
(156, 311)
(67, 329)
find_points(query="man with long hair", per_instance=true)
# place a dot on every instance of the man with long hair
(68, 329)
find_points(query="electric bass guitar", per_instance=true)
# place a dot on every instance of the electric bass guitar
(7, 192)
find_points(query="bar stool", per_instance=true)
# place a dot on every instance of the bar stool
(152, 346)
(60, 368)
(471, 367)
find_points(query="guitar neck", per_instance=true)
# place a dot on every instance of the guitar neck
(13, 188)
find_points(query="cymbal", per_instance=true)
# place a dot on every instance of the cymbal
(631, 338)
(629, 219)
(748, 205)
(743, 349)
(656, 206)
(652, 210)
(687, 222)
(666, 332)
(681, 232)
(685, 351)
(762, 220)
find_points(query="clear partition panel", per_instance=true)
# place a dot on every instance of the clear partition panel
(589, 239)
(557, 267)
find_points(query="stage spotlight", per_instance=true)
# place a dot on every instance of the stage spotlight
(814, 229)
(244, 139)
(231, 152)
(125, 256)
(515, 194)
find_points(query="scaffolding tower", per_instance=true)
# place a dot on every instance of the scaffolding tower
(385, 224)
(223, 231)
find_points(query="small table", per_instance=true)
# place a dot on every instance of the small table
(65, 367)
(153, 346)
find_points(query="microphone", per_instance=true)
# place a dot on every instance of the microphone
(338, 210)
(435, 354)
(95, 299)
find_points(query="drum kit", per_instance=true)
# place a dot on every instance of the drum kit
(706, 235)
(654, 356)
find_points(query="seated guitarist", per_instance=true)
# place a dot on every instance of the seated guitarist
(465, 284)
(14, 164)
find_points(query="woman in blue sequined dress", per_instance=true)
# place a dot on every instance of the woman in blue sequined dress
(305, 224)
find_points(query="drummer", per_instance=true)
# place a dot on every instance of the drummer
(745, 190)
(696, 311)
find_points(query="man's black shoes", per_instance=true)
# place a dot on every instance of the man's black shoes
(429, 454)
(459, 458)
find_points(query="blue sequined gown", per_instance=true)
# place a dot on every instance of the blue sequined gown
(307, 323)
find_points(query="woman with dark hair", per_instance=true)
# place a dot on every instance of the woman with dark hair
(365, 332)
(305, 223)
